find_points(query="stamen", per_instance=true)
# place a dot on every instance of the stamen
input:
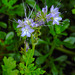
(24, 8)
(32, 11)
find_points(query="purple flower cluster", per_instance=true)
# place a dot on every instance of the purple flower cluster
(26, 27)
(42, 16)
(52, 16)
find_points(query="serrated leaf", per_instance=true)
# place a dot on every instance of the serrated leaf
(28, 67)
(10, 35)
(2, 35)
(3, 25)
(22, 72)
(9, 65)
(10, 60)
(9, 3)
(28, 59)
(22, 65)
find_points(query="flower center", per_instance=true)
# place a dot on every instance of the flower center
(26, 30)
(53, 12)
(55, 18)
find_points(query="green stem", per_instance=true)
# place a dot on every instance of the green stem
(52, 46)
(52, 49)
(33, 44)
(65, 50)
(25, 49)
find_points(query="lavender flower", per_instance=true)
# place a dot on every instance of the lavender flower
(44, 10)
(38, 14)
(54, 11)
(21, 24)
(56, 20)
(40, 22)
(53, 16)
(41, 16)
(26, 31)
(48, 17)
(28, 21)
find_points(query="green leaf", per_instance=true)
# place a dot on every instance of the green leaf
(52, 30)
(10, 60)
(58, 29)
(5, 2)
(19, 10)
(38, 8)
(65, 24)
(15, 25)
(9, 65)
(70, 40)
(48, 2)
(28, 59)
(61, 28)
(61, 58)
(3, 25)
(2, 10)
(65, 34)
(2, 35)
(10, 35)
(41, 60)
(40, 41)
(68, 45)
(11, 2)
(22, 65)
(58, 42)
(36, 53)
(28, 67)
(30, 2)
(73, 11)
(54, 69)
